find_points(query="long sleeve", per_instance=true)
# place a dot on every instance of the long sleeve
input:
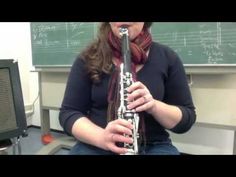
(177, 93)
(76, 102)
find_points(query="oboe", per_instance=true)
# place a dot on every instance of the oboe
(126, 79)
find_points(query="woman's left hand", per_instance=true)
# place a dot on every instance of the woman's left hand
(139, 98)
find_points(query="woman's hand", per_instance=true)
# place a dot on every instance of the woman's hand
(140, 98)
(114, 132)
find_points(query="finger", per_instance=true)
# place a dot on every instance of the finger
(135, 86)
(143, 107)
(118, 150)
(122, 138)
(139, 102)
(117, 128)
(136, 94)
(124, 123)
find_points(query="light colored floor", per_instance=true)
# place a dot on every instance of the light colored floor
(31, 144)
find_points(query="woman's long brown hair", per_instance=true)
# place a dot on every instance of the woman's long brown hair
(98, 55)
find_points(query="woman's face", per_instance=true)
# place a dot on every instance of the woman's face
(134, 28)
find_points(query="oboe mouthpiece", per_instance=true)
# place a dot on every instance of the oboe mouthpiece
(124, 30)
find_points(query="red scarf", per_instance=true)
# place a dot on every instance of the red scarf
(138, 47)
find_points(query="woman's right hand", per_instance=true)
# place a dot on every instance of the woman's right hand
(114, 132)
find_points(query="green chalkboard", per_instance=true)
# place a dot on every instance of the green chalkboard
(197, 43)
(57, 44)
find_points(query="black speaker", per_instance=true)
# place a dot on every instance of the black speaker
(12, 113)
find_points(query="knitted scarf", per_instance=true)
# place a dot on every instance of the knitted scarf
(138, 47)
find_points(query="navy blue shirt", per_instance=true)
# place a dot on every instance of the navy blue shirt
(164, 76)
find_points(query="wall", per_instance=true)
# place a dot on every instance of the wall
(15, 43)
(214, 96)
(204, 141)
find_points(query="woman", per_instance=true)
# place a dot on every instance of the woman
(160, 94)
